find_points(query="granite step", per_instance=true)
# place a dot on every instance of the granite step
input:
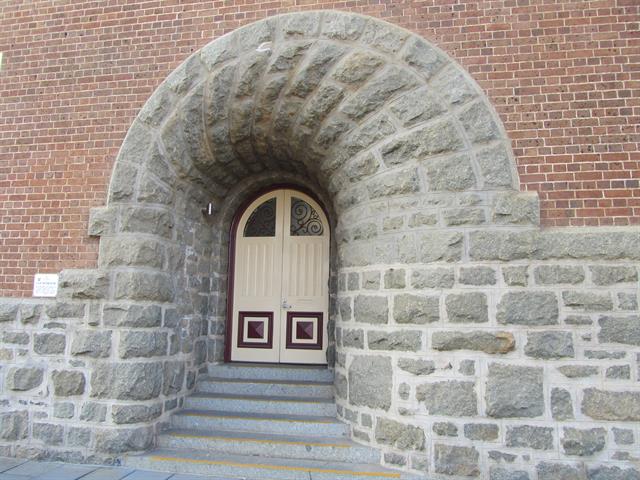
(256, 371)
(276, 388)
(336, 449)
(261, 403)
(239, 466)
(312, 426)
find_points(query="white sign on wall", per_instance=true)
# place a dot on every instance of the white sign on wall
(45, 285)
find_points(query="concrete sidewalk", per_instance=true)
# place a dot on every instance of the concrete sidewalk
(22, 469)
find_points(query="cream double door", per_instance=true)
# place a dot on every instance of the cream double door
(280, 281)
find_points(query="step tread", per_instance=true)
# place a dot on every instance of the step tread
(267, 463)
(258, 416)
(283, 366)
(338, 442)
(298, 383)
(263, 398)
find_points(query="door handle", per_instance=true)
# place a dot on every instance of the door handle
(285, 305)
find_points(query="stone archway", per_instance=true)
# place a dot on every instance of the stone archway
(390, 131)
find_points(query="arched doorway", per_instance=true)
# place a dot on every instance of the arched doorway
(278, 280)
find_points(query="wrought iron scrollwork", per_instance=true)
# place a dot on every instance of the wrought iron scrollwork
(305, 221)
(262, 222)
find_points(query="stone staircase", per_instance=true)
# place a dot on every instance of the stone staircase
(263, 422)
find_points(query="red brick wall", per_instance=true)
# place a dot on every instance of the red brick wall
(563, 75)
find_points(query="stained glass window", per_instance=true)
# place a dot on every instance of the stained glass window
(305, 221)
(262, 222)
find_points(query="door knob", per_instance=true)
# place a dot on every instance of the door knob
(285, 305)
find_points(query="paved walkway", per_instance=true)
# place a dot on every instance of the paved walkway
(20, 469)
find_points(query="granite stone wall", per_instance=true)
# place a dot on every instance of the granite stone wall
(466, 340)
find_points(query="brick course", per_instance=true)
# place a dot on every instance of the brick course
(562, 75)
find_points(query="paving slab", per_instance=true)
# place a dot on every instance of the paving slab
(8, 463)
(66, 472)
(148, 475)
(33, 468)
(108, 473)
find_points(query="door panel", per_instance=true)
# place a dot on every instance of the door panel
(305, 280)
(281, 276)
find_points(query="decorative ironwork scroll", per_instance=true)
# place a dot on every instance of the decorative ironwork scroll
(305, 221)
(262, 222)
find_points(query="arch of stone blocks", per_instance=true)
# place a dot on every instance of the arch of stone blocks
(452, 314)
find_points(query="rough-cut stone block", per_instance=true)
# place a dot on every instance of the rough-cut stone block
(371, 309)
(467, 307)
(14, 425)
(21, 379)
(561, 404)
(131, 251)
(420, 219)
(416, 309)
(463, 216)
(445, 429)
(126, 381)
(452, 398)
(496, 167)
(135, 316)
(124, 440)
(451, 173)
(467, 367)
(605, 472)
(432, 278)
(144, 286)
(63, 410)
(417, 366)
(394, 278)
(48, 433)
(370, 382)
(578, 371)
(357, 67)
(377, 91)
(557, 274)
(483, 432)
(610, 275)
(344, 307)
(92, 343)
(528, 436)
(549, 345)
(67, 383)
(516, 208)
(8, 311)
(622, 372)
(514, 391)
(477, 276)
(453, 460)
(515, 276)
(18, 338)
(394, 183)
(628, 301)
(588, 301)
(623, 436)
(147, 220)
(488, 342)
(528, 308)
(558, 471)
(123, 414)
(173, 377)
(499, 473)
(478, 123)
(609, 405)
(65, 310)
(547, 245)
(583, 442)
(416, 107)
(371, 280)
(83, 284)
(93, 412)
(49, 343)
(142, 344)
(399, 435)
(352, 338)
(405, 340)
(424, 57)
(625, 330)
(101, 221)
